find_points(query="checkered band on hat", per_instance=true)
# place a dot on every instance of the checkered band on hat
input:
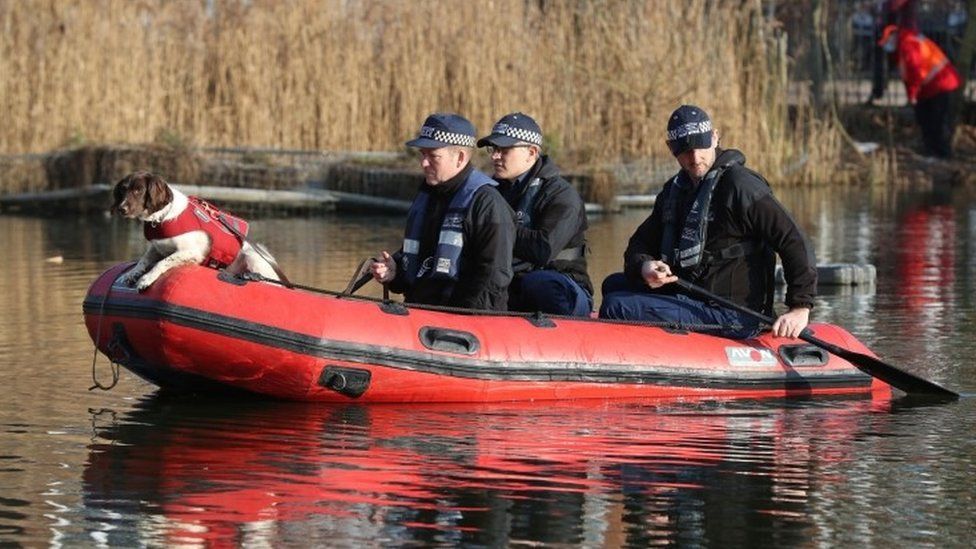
(691, 128)
(450, 138)
(528, 136)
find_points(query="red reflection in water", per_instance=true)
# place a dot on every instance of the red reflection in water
(220, 473)
(926, 251)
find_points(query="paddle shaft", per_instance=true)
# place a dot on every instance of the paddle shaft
(894, 376)
(359, 283)
(362, 276)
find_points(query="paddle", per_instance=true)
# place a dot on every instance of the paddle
(360, 278)
(896, 377)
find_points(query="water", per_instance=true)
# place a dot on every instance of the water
(131, 468)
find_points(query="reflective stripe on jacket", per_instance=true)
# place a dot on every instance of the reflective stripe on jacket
(924, 67)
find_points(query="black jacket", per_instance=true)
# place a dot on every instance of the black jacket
(743, 210)
(486, 258)
(558, 222)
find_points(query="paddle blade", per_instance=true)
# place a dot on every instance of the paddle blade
(892, 375)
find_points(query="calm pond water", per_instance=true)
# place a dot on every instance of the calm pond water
(128, 467)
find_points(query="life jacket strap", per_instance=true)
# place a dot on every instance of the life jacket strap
(570, 254)
(739, 249)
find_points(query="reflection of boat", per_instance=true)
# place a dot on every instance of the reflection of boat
(269, 473)
(196, 329)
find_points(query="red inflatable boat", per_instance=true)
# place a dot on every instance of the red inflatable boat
(201, 330)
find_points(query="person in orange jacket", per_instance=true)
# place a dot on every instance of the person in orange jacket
(930, 79)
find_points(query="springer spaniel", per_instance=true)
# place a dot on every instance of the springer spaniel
(183, 230)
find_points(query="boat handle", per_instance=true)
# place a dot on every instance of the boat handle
(351, 382)
(451, 341)
(803, 355)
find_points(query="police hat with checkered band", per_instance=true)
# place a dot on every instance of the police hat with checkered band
(689, 128)
(444, 130)
(513, 129)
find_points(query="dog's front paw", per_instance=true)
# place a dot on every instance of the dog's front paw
(126, 280)
(145, 282)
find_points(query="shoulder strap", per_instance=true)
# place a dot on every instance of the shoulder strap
(526, 203)
(445, 263)
(683, 244)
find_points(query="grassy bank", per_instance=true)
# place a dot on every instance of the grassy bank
(600, 76)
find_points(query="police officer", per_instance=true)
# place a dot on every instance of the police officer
(550, 241)
(457, 246)
(717, 225)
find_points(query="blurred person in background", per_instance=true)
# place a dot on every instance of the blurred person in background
(930, 80)
(888, 12)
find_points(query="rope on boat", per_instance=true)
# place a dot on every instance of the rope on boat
(255, 277)
(113, 365)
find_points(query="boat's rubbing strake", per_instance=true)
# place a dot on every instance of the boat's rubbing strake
(801, 356)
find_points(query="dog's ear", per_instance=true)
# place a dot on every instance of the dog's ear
(158, 193)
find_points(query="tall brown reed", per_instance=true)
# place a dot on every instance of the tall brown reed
(601, 76)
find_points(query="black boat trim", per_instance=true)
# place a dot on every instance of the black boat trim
(465, 367)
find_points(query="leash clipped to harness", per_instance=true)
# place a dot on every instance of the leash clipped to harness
(256, 247)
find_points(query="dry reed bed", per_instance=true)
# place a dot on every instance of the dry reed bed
(601, 76)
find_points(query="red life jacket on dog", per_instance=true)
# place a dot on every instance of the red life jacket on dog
(200, 215)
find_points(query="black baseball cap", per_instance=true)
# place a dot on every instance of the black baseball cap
(444, 130)
(689, 128)
(511, 130)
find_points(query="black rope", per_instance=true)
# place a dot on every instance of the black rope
(95, 415)
(114, 366)
(482, 312)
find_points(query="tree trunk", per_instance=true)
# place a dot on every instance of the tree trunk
(816, 60)
(964, 61)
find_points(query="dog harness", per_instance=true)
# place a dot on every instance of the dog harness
(200, 215)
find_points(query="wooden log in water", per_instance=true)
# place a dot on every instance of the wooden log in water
(91, 198)
(304, 199)
(353, 202)
(636, 200)
(98, 197)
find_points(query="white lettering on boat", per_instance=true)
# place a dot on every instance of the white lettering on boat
(750, 356)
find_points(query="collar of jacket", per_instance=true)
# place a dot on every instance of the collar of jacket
(514, 187)
(453, 184)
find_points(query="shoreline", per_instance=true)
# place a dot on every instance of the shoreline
(271, 181)
(96, 197)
